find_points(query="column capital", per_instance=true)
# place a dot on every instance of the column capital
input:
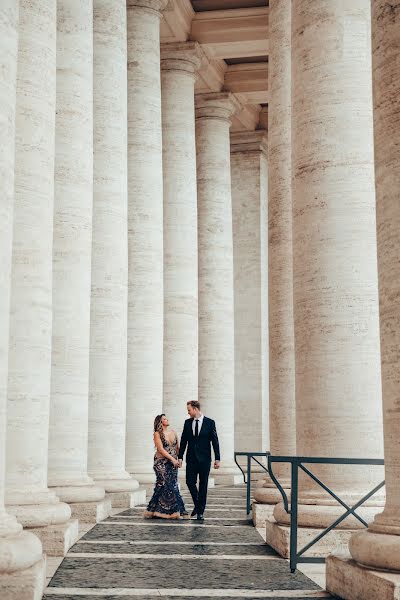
(156, 6)
(182, 56)
(216, 105)
(249, 141)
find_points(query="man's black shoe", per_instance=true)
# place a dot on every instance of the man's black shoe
(200, 517)
(193, 513)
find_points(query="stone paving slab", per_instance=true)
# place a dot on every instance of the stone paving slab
(167, 532)
(61, 597)
(152, 573)
(171, 549)
(210, 519)
(237, 502)
(219, 491)
(209, 514)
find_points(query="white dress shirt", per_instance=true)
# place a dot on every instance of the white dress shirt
(200, 419)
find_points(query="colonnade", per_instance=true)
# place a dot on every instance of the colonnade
(338, 210)
(117, 255)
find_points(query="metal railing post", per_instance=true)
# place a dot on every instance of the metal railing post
(248, 504)
(294, 517)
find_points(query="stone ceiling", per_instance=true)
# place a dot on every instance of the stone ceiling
(201, 5)
(234, 37)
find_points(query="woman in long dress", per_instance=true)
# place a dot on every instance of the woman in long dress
(166, 502)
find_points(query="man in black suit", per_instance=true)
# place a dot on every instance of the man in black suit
(199, 434)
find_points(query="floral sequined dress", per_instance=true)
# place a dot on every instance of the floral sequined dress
(166, 501)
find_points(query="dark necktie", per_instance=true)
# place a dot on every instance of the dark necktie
(196, 428)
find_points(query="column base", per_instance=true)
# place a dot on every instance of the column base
(127, 484)
(91, 512)
(261, 512)
(269, 495)
(28, 584)
(40, 515)
(19, 551)
(376, 551)
(320, 516)
(278, 536)
(227, 478)
(127, 499)
(58, 539)
(347, 580)
(73, 493)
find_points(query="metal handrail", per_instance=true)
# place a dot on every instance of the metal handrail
(250, 456)
(298, 462)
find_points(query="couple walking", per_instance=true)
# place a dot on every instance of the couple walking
(199, 434)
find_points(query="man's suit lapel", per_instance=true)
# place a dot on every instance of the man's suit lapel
(203, 429)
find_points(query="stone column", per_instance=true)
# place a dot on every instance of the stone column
(378, 548)
(335, 289)
(72, 263)
(29, 369)
(282, 410)
(216, 335)
(145, 235)
(249, 173)
(179, 63)
(22, 567)
(109, 298)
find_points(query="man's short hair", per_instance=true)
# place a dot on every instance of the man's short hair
(194, 404)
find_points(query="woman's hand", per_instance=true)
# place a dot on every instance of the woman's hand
(175, 463)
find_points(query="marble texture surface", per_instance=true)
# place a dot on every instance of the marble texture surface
(282, 410)
(29, 367)
(249, 176)
(145, 234)
(179, 63)
(72, 245)
(109, 282)
(335, 287)
(22, 566)
(216, 328)
(379, 546)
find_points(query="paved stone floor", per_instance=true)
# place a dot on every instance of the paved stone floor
(132, 558)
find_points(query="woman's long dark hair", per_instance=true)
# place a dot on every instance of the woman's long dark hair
(158, 426)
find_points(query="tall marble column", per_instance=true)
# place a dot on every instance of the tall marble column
(145, 235)
(378, 548)
(68, 448)
(249, 174)
(335, 287)
(22, 567)
(109, 297)
(214, 201)
(29, 370)
(282, 409)
(179, 63)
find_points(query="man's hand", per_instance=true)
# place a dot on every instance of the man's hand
(179, 463)
(216, 464)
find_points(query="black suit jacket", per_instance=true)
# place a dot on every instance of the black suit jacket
(199, 448)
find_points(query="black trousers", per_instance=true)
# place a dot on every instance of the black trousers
(194, 470)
